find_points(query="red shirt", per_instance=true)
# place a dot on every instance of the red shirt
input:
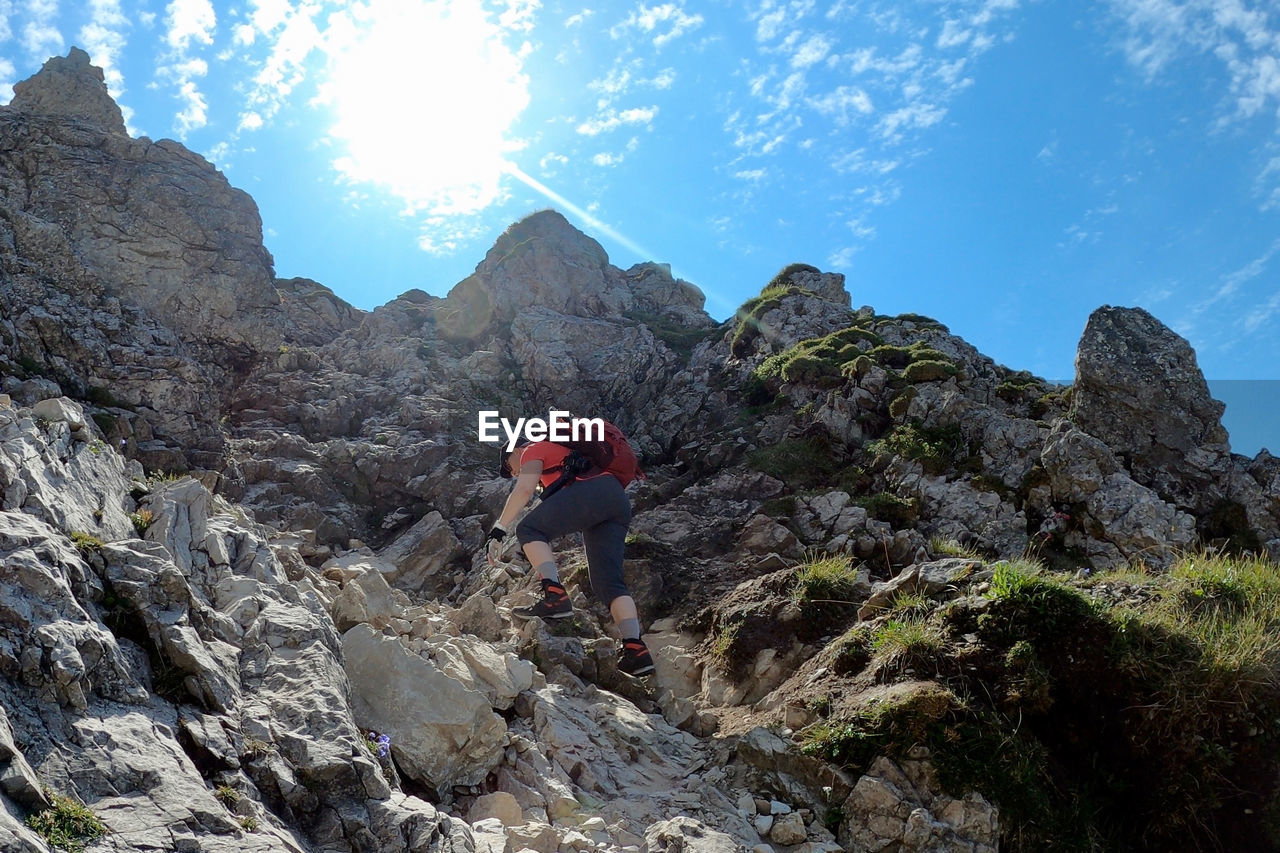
(552, 456)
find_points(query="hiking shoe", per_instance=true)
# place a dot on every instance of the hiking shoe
(555, 604)
(634, 659)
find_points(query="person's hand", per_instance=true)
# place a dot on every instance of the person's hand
(496, 534)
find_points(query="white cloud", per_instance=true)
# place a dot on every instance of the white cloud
(860, 228)
(843, 104)
(607, 159)
(40, 35)
(865, 59)
(104, 40)
(267, 15)
(813, 51)
(292, 34)
(753, 175)
(914, 117)
(769, 23)
(7, 78)
(857, 162)
(616, 82)
(551, 162)
(578, 19)
(842, 258)
(41, 40)
(669, 21)
(190, 20)
(613, 119)
(1261, 315)
(195, 111)
(664, 79)
(954, 34)
(6, 13)
(518, 16)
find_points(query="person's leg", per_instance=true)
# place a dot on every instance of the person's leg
(563, 513)
(542, 559)
(605, 544)
(625, 616)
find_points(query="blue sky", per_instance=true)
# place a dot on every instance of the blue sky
(1005, 166)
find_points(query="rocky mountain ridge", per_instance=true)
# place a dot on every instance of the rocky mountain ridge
(199, 659)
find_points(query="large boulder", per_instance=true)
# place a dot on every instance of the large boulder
(1139, 389)
(443, 732)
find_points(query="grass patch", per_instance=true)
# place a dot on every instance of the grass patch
(1151, 724)
(883, 506)
(825, 361)
(884, 728)
(748, 328)
(86, 543)
(935, 448)
(142, 519)
(783, 278)
(911, 605)
(929, 370)
(853, 652)
(66, 825)
(906, 642)
(952, 548)
(801, 463)
(1181, 694)
(830, 579)
(722, 647)
(680, 339)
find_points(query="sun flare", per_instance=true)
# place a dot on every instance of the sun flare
(424, 95)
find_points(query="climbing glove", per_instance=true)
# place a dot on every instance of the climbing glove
(493, 542)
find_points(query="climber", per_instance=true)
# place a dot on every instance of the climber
(593, 503)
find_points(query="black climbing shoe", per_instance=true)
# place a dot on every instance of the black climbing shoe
(634, 659)
(554, 604)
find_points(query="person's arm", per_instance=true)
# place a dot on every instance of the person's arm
(523, 491)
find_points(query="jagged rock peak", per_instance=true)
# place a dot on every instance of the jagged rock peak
(1139, 389)
(70, 86)
(544, 263)
(1136, 375)
(550, 227)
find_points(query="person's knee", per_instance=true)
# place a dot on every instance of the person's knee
(610, 590)
(527, 532)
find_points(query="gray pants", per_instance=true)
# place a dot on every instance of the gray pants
(599, 509)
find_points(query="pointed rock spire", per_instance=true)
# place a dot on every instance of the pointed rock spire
(70, 86)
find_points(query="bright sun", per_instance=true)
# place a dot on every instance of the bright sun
(424, 95)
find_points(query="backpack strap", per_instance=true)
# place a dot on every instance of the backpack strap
(573, 467)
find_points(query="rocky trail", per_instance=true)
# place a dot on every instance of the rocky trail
(197, 684)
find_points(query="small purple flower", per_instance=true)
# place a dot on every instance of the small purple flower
(381, 742)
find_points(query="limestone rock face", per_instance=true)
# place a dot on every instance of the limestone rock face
(71, 88)
(1138, 389)
(540, 261)
(443, 733)
(902, 807)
